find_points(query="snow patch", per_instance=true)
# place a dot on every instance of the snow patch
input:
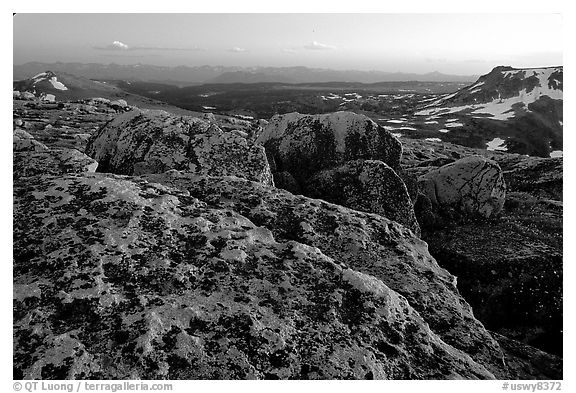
(49, 97)
(556, 154)
(40, 75)
(397, 134)
(433, 139)
(452, 125)
(56, 84)
(404, 128)
(475, 86)
(444, 131)
(355, 95)
(496, 144)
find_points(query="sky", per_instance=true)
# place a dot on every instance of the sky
(463, 44)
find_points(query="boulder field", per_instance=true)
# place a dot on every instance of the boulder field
(180, 259)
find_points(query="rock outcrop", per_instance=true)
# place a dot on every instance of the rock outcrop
(366, 242)
(541, 177)
(31, 158)
(472, 186)
(305, 144)
(370, 186)
(207, 271)
(509, 266)
(51, 162)
(23, 141)
(341, 157)
(119, 278)
(140, 142)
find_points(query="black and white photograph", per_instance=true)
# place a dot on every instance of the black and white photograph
(286, 196)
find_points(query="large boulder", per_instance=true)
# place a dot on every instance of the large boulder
(365, 242)
(117, 278)
(473, 186)
(141, 142)
(341, 157)
(305, 144)
(366, 185)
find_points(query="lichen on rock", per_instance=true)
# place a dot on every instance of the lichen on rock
(150, 282)
(304, 144)
(141, 141)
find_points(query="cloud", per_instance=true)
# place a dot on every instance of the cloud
(238, 50)
(116, 45)
(119, 45)
(315, 45)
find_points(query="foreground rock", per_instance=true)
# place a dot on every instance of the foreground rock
(472, 186)
(365, 242)
(140, 142)
(370, 186)
(116, 278)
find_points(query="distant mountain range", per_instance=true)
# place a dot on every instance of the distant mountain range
(184, 75)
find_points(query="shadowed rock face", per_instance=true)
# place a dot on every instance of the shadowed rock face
(370, 186)
(304, 144)
(473, 186)
(141, 142)
(526, 362)
(118, 278)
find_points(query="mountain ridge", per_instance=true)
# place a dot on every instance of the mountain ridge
(204, 74)
(521, 107)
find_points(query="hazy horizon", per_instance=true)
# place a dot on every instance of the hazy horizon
(458, 44)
